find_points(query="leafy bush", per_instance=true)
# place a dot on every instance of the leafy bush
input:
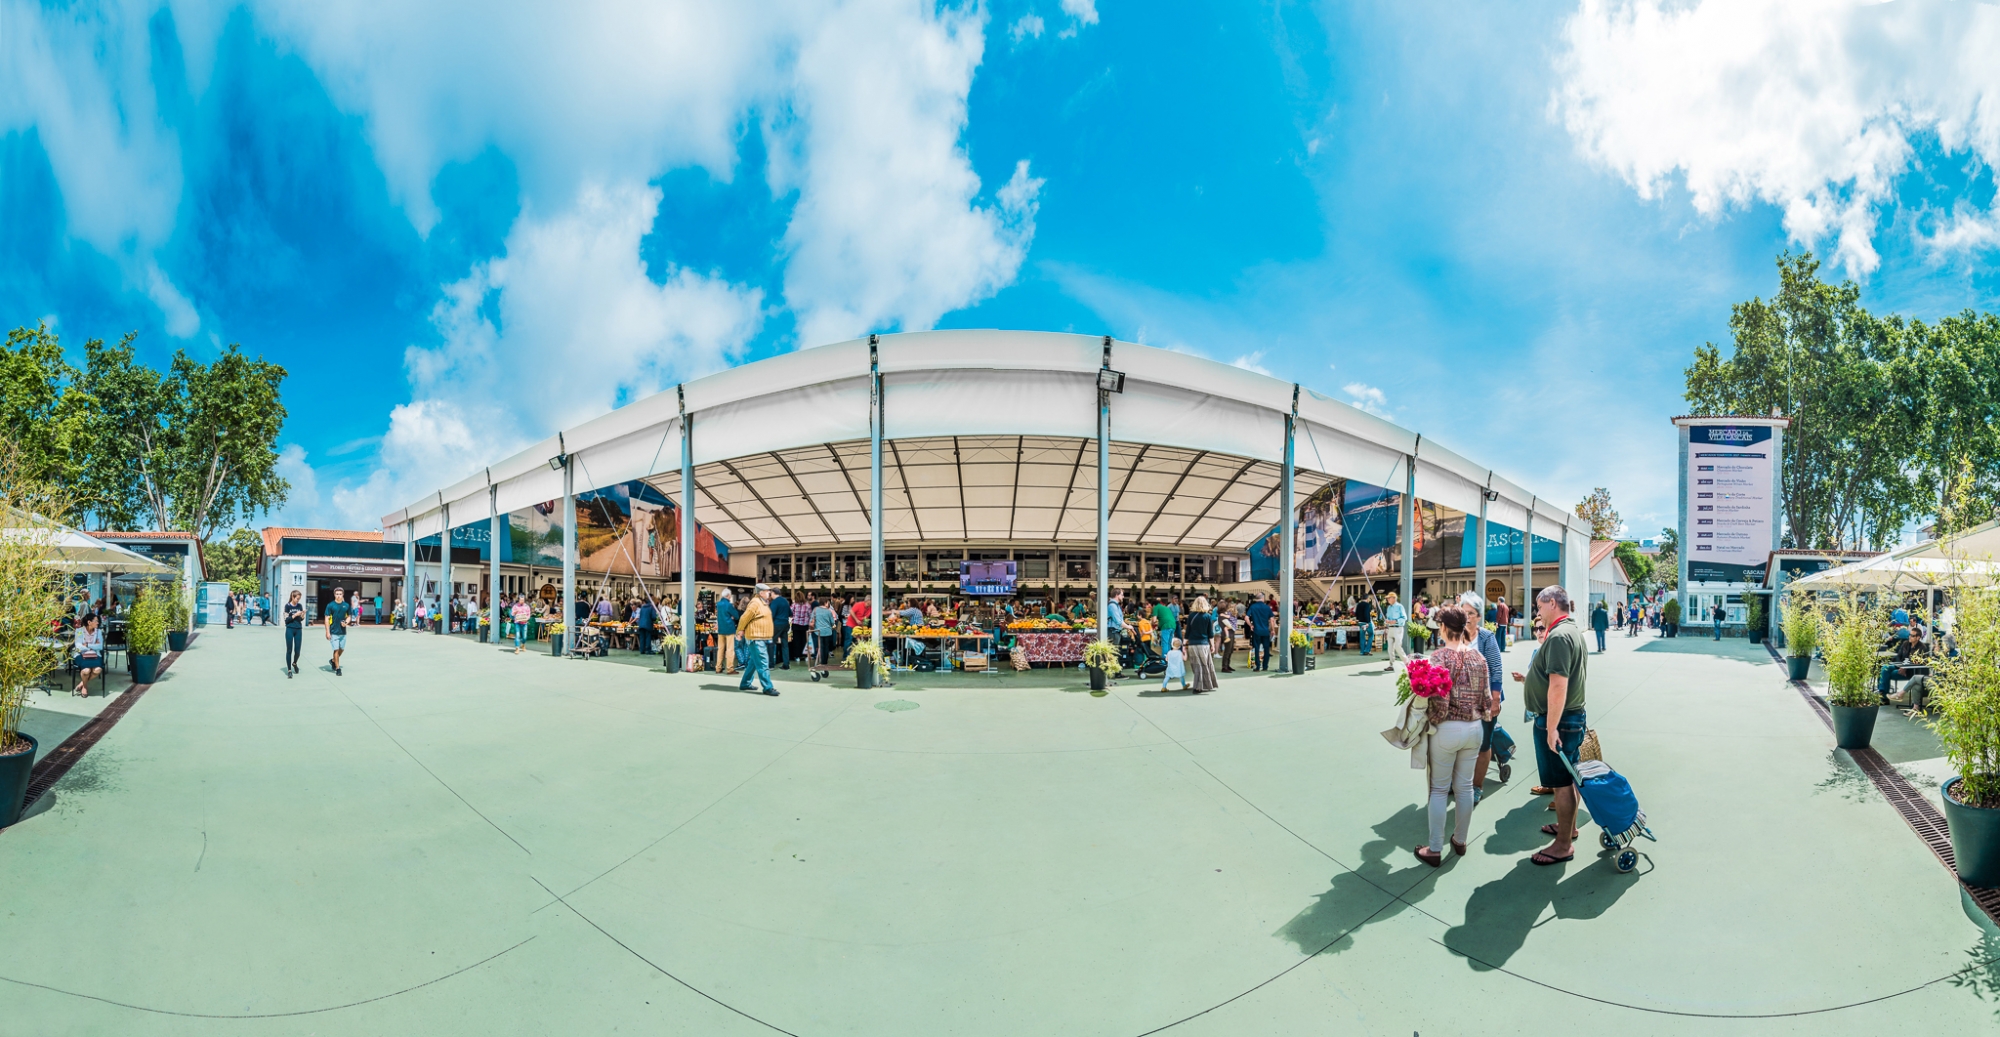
(1101, 655)
(864, 649)
(673, 642)
(1670, 613)
(177, 607)
(1966, 690)
(1753, 612)
(1300, 640)
(146, 631)
(1801, 624)
(32, 593)
(1853, 634)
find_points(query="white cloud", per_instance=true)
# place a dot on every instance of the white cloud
(1367, 397)
(1028, 26)
(1812, 106)
(1252, 362)
(1081, 13)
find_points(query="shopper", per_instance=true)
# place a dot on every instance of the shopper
(1364, 614)
(1395, 621)
(1258, 615)
(726, 615)
(1232, 624)
(801, 628)
(336, 617)
(1600, 621)
(1200, 635)
(781, 630)
(755, 631)
(1715, 613)
(1165, 622)
(1454, 746)
(89, 648)
(644, 622)
(824, 625)
(295, 631)
(523, 613)
(1553, 690)
(1489, 648)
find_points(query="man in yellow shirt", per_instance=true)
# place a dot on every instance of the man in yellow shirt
(754, 639)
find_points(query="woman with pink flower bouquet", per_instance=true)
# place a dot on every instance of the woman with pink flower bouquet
(1454, 678)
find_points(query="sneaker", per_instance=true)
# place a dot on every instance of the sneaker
(337, 673)
(773, 692)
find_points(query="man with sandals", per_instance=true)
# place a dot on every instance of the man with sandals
(1553, 692)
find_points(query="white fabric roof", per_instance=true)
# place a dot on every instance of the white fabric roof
(991, 435)
(1963, 560)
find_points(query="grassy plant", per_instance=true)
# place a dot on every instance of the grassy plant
(177, 607)
(673, 642)
(1300, 640)
(146, 632)
(33, 594)
(1101, 655)
(1966, 690)
(870, 650)
(1801, 623)
(1854, 633)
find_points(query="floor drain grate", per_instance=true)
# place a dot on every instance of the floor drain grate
(1923, 819)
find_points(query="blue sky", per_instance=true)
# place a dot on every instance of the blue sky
(462, 225)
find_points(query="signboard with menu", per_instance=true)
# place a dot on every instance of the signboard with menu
(1729, 498)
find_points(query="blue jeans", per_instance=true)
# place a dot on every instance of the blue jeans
(1260, 652)
(750, 656)
(1718, 630)
(1368, 638)
(1600, 640)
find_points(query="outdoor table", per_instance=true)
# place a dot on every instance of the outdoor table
(1054, 646)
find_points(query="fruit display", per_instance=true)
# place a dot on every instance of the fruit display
(1043, 625)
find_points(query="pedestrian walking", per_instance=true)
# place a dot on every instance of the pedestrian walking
(336, 617)
(781, 630)
(1489, 649)
(1200, 635)
(1553, 691)
(522, 614)
(1600, 621)
(295, 633)
(755, 631)
(726, 615)
(1716, 614)
(1454, 746)
(1364, 614)
(1232, 624)
(1395, 620)
(825, 624)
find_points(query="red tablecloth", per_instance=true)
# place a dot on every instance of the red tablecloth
(1054, 647)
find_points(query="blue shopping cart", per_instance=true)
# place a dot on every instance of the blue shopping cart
(1613, 806)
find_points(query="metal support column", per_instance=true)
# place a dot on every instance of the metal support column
(1288, 518)
(410, 571)
(1528, 565)
(1479, 542)
(874, 496)
(569, 553)
(1104, 500)
(493, 533)
(1408, 520)
(687, 526)
(444, 571)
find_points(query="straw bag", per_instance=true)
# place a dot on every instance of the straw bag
(1590, 750)
(1018, 655)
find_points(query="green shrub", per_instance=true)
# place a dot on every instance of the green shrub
(1801, 623)
(1853, 635)
(1670, 613)
(1966, 690)
(1101, 655)
(1300, 640)
(863, 649)
(146, 630)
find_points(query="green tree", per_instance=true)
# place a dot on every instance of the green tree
(1667, 564)
(1944, 374)
(1638, 567)
(234, 559)
(38, 414)
(1596, 509)
(1812, 353)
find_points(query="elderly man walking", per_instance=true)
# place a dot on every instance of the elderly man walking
(753, 636)
(1394, 619)
(1553, 690)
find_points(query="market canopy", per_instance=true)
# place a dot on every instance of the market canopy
(75, 551)
(1967, 559)
(988, 434)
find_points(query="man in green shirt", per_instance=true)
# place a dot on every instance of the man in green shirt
(337, 616)
(1164, 622)
(1553, 687)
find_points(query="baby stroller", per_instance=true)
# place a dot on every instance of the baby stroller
(1613, 806)
(1140, 658)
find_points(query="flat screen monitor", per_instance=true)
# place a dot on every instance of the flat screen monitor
(992, 578)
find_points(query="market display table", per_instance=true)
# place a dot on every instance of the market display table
(950, 644)
(1054, 646)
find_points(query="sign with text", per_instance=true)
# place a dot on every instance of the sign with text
(353, 569)
(1731, 487)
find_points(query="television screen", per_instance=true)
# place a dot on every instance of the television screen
(986, 577)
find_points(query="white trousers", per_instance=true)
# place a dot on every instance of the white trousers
(1454, 752)
(1395, 634)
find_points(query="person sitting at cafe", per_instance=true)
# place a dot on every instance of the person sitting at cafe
(89, 646)
(1904, 657)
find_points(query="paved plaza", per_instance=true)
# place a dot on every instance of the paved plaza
(451, 839)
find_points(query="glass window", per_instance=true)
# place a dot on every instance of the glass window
(1077, 567)
(854, 567)
(1034, 565)
(1196, 568)
(1122, 566)
(942, 565)
(903, 567)
(1229, 572)
(817, 568)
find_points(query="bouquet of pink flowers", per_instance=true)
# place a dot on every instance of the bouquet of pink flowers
(1423, 679)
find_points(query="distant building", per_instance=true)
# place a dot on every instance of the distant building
(1608, 581)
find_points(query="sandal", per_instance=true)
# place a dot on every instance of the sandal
(1457, 847)
(1542, 858)
(1542, 790)
(1550, 831)
(1424, 854)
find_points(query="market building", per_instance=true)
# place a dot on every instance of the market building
(905, 461)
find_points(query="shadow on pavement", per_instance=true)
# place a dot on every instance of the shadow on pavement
(1520, 830)
(1500, 914)
(1355, 895)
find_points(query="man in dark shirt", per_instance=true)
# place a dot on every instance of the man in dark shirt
(780, 654)
(295, 629)
(1364, 614)
(1553, 692)
(644, 621)
(336, 616)
(1259, 615)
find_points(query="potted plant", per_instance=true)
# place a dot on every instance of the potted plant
(1670, 617)
(671, 647)
(1966, 691)
(865, 657)
(146, 633)
(1301, 644)
(1753, 617)
(32, 600)
(1855, 631)
(1801, 627)
(555, 638)
(178, 613)
(1100, 658)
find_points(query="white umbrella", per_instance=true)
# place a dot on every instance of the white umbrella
(1963, 560)
(78, 552)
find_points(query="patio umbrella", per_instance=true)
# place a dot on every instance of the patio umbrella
(1963, 560)
(75, 551)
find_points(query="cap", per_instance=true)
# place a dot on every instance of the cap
(762, 587)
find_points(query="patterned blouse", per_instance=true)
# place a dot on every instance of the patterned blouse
(1468, 681)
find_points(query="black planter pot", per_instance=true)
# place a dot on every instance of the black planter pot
(14, 771)
(864, 672)
(555, 645)
(1975, 838)
(177, 640)
(1853, 726)
(1797, 666)
(671, 660)
(1299, 658)
(1096, 678)
(1756, 637)
(145, 668)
